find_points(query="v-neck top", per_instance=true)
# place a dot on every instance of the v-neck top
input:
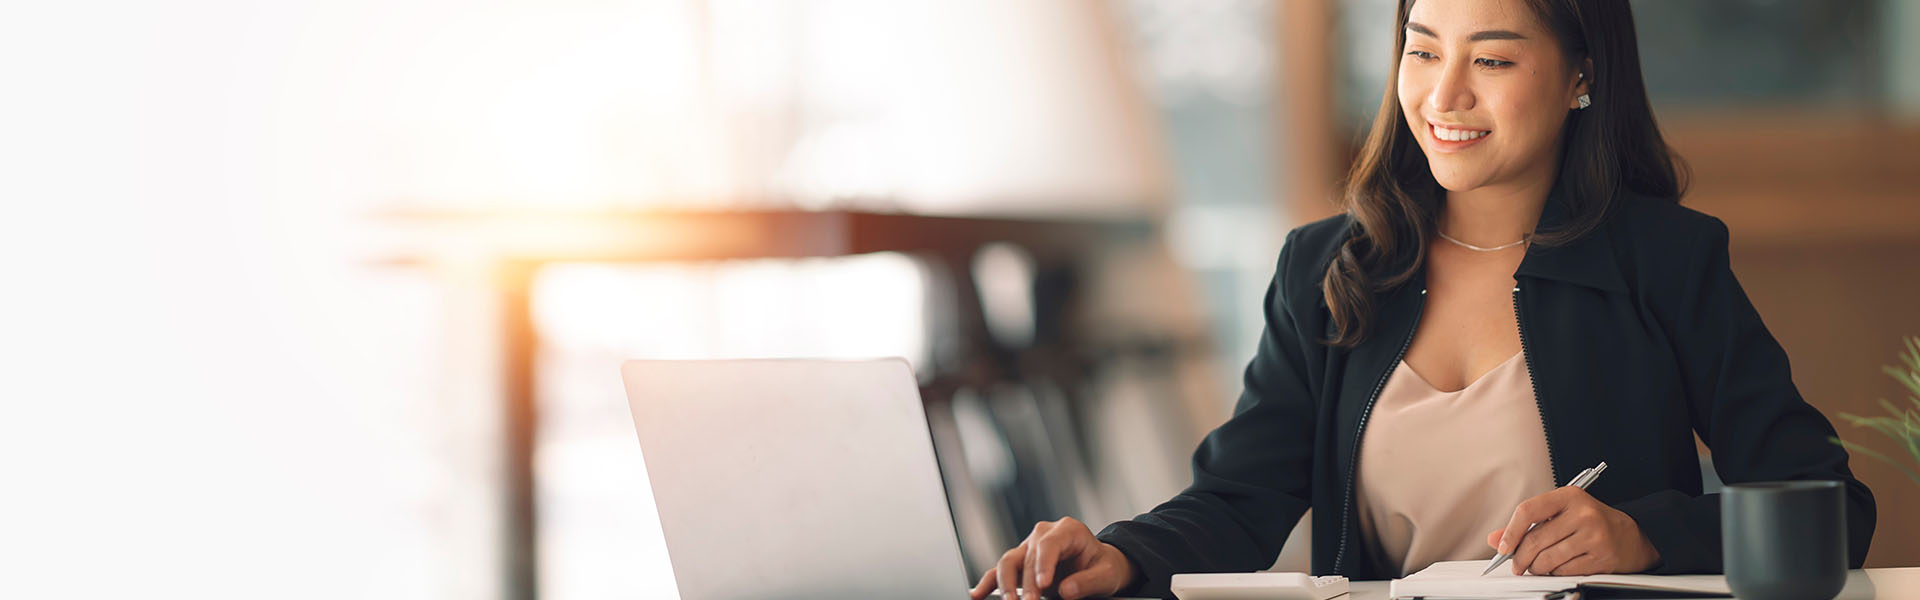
(1439, 470)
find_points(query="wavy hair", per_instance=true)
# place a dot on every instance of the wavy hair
(1611, 147)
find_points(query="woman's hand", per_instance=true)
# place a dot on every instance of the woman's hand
(1577, 535)
(1062, 551)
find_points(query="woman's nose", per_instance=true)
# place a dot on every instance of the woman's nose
(1452, 91)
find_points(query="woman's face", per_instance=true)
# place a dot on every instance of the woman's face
(1485, 88)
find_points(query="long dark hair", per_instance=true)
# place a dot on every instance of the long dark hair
(1609, 147)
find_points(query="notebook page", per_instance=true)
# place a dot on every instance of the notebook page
(1461, 578)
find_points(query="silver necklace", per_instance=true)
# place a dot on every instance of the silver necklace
(1468, 246)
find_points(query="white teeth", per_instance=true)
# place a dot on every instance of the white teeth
(1457, 135)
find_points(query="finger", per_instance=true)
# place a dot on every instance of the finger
(1550, 559)
(1058, 545)
(980, 590)
(1585, 564)
(1545, 536)
(1097, 580)
(1009, 571)
(1493, 538)
(1533, 510)
(1068, 540)
(1029, 584)
(1560, 567)
(1029, 589)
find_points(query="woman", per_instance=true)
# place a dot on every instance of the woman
(1513, 294)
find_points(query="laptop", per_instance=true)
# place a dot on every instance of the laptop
(795, 479)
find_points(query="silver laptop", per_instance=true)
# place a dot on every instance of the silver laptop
(795, 479)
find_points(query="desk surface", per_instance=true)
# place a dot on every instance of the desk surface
(1862, 584)
(1901, 583)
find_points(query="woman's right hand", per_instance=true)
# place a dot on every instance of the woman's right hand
(1062, 551)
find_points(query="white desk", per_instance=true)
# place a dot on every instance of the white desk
(1902, 583)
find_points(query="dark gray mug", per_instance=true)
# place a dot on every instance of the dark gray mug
(1784, 540)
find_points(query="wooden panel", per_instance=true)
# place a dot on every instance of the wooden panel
(1840, 311)
(1305, 139)
(1803, 178)
(1826, 239)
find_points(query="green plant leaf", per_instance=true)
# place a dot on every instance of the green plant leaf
(1904, 424)
(1885, 425)
(1909, 427)
(1850, 446)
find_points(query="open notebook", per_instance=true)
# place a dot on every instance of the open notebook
(1461, 579)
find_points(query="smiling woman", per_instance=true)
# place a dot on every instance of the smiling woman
(1513, 293)
(1552, 88)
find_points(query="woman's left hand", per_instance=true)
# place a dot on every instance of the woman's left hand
(1577, 535)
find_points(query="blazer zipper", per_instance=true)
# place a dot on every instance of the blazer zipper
(1538, 405)
(1346, 506)
(1353, 468)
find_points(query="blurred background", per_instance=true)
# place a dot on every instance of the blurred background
(311, 299)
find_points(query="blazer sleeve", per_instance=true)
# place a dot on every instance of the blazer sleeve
(1251, 475)
(1743, 403)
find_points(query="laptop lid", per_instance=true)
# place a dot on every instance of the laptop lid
(795, 479)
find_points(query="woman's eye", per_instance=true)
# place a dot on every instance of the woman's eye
(1421, 54)
(1492, 63)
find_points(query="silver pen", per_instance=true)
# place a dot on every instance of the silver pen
(1581, 481)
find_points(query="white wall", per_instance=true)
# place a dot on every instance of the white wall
(203, 391)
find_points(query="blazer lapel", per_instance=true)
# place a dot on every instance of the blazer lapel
(1588, 261)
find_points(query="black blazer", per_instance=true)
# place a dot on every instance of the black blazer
(1637, 337)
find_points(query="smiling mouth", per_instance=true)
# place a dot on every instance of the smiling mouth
(1455, 135)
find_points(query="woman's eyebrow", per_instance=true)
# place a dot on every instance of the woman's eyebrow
(1495, 34)
(1478, 36)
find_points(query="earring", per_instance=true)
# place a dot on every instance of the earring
(1585, 101)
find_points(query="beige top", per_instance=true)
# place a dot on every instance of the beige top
(1438, 470)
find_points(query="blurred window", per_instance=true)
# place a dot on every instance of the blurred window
(1832, 54)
